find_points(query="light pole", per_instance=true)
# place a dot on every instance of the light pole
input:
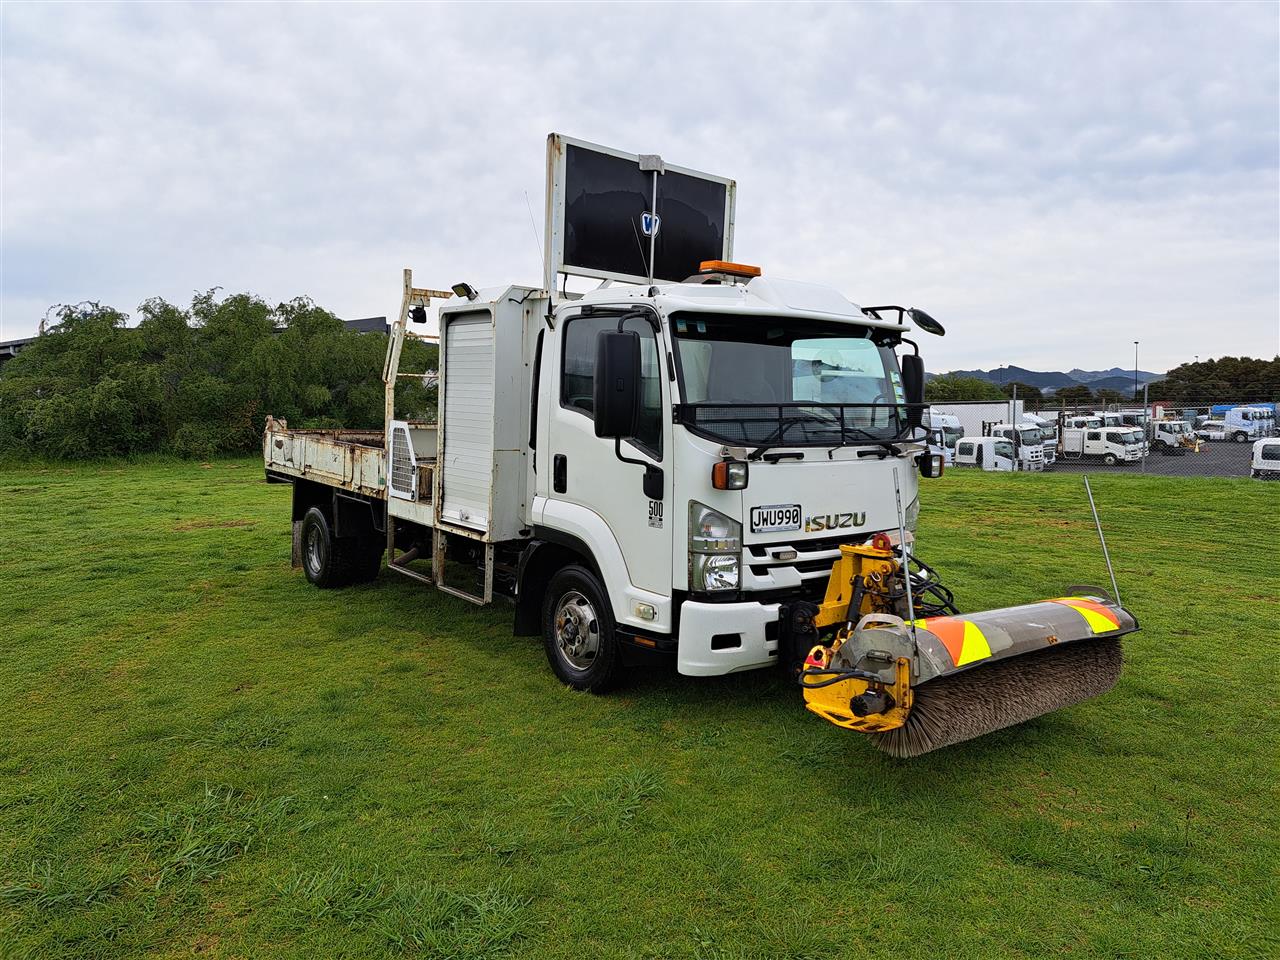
(1135, 369)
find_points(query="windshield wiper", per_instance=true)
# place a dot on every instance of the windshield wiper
(759, 452)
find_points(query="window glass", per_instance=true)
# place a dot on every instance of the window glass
(966, 449)
(1271, 451)
(1094, 435)
(577, 379)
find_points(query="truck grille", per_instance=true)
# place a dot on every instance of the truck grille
(808, 571)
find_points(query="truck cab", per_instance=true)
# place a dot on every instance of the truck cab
(986, 453)
(943, 431)
(1028, 446)
(767, 429)
(1110, 445)
(1170, 437)
(1243, 424)
(1048, 435)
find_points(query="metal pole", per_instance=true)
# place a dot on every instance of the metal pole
(1135, 369)
(1148, 430)
(653, 232)
(1115, 588)
(902, 545)
(1013, 426)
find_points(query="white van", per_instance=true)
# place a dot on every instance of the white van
(985, 453)
(1266, 460)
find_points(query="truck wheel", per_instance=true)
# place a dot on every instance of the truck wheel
(1239, 437)
(329, 562)
(578, 633)
(1109, 459)
(1160, 446)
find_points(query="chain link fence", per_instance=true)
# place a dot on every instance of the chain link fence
(1192, 437)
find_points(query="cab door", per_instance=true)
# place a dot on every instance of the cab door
(588, 482)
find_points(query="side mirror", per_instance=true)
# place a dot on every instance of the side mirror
(615, 393)
(913, 388)
(418, 314)
(926, 322)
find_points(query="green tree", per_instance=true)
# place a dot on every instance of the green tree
(1076, 393)
(198, 380)
(949, 387)
(1025, 390)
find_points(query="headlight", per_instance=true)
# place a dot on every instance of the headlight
(715, 548)
(711, 531)
(715, 571)
(912, 514)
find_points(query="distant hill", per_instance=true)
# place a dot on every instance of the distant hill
(1116, 378)
(1089, 376)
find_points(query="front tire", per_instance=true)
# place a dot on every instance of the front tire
(1109, 459)
(578, 631)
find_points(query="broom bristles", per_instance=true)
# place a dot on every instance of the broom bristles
(965, 705)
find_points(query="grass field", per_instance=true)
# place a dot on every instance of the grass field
(202, 754)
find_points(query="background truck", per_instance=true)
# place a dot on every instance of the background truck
(692, 459)
(944, 430)
(1171, 437)
(1110, 445)
(1243, 424)
(1048, 428)
(1028, 448)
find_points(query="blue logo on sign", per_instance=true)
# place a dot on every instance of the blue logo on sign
(650, 223)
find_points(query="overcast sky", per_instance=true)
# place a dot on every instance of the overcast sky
(1052, 182)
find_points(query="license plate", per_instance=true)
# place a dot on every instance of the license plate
(775, 518)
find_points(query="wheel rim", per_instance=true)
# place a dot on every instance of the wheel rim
(577, 630)
(313, 550)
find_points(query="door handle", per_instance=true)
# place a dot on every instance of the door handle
(559, 473)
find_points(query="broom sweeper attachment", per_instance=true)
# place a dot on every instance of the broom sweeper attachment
(902, 664)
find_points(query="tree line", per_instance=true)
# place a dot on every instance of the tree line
(1225, 380)
(195, 381)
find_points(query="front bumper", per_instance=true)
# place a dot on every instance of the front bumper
(720, 638)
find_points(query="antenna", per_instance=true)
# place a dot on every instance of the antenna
(902, 545)
(1115, 589)
(640, 247)
(533, 225)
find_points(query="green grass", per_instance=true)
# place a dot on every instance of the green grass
(202, 754)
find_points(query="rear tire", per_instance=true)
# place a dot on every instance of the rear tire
(1239, 437)
(578, 631)
(330, 562)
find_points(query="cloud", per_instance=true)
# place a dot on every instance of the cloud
(1051, 181)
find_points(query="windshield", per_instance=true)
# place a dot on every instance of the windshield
(1029, 435)
(950, 435)
(1135, 436)
(741, 370)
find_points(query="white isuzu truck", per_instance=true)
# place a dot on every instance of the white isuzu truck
(693, 457)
